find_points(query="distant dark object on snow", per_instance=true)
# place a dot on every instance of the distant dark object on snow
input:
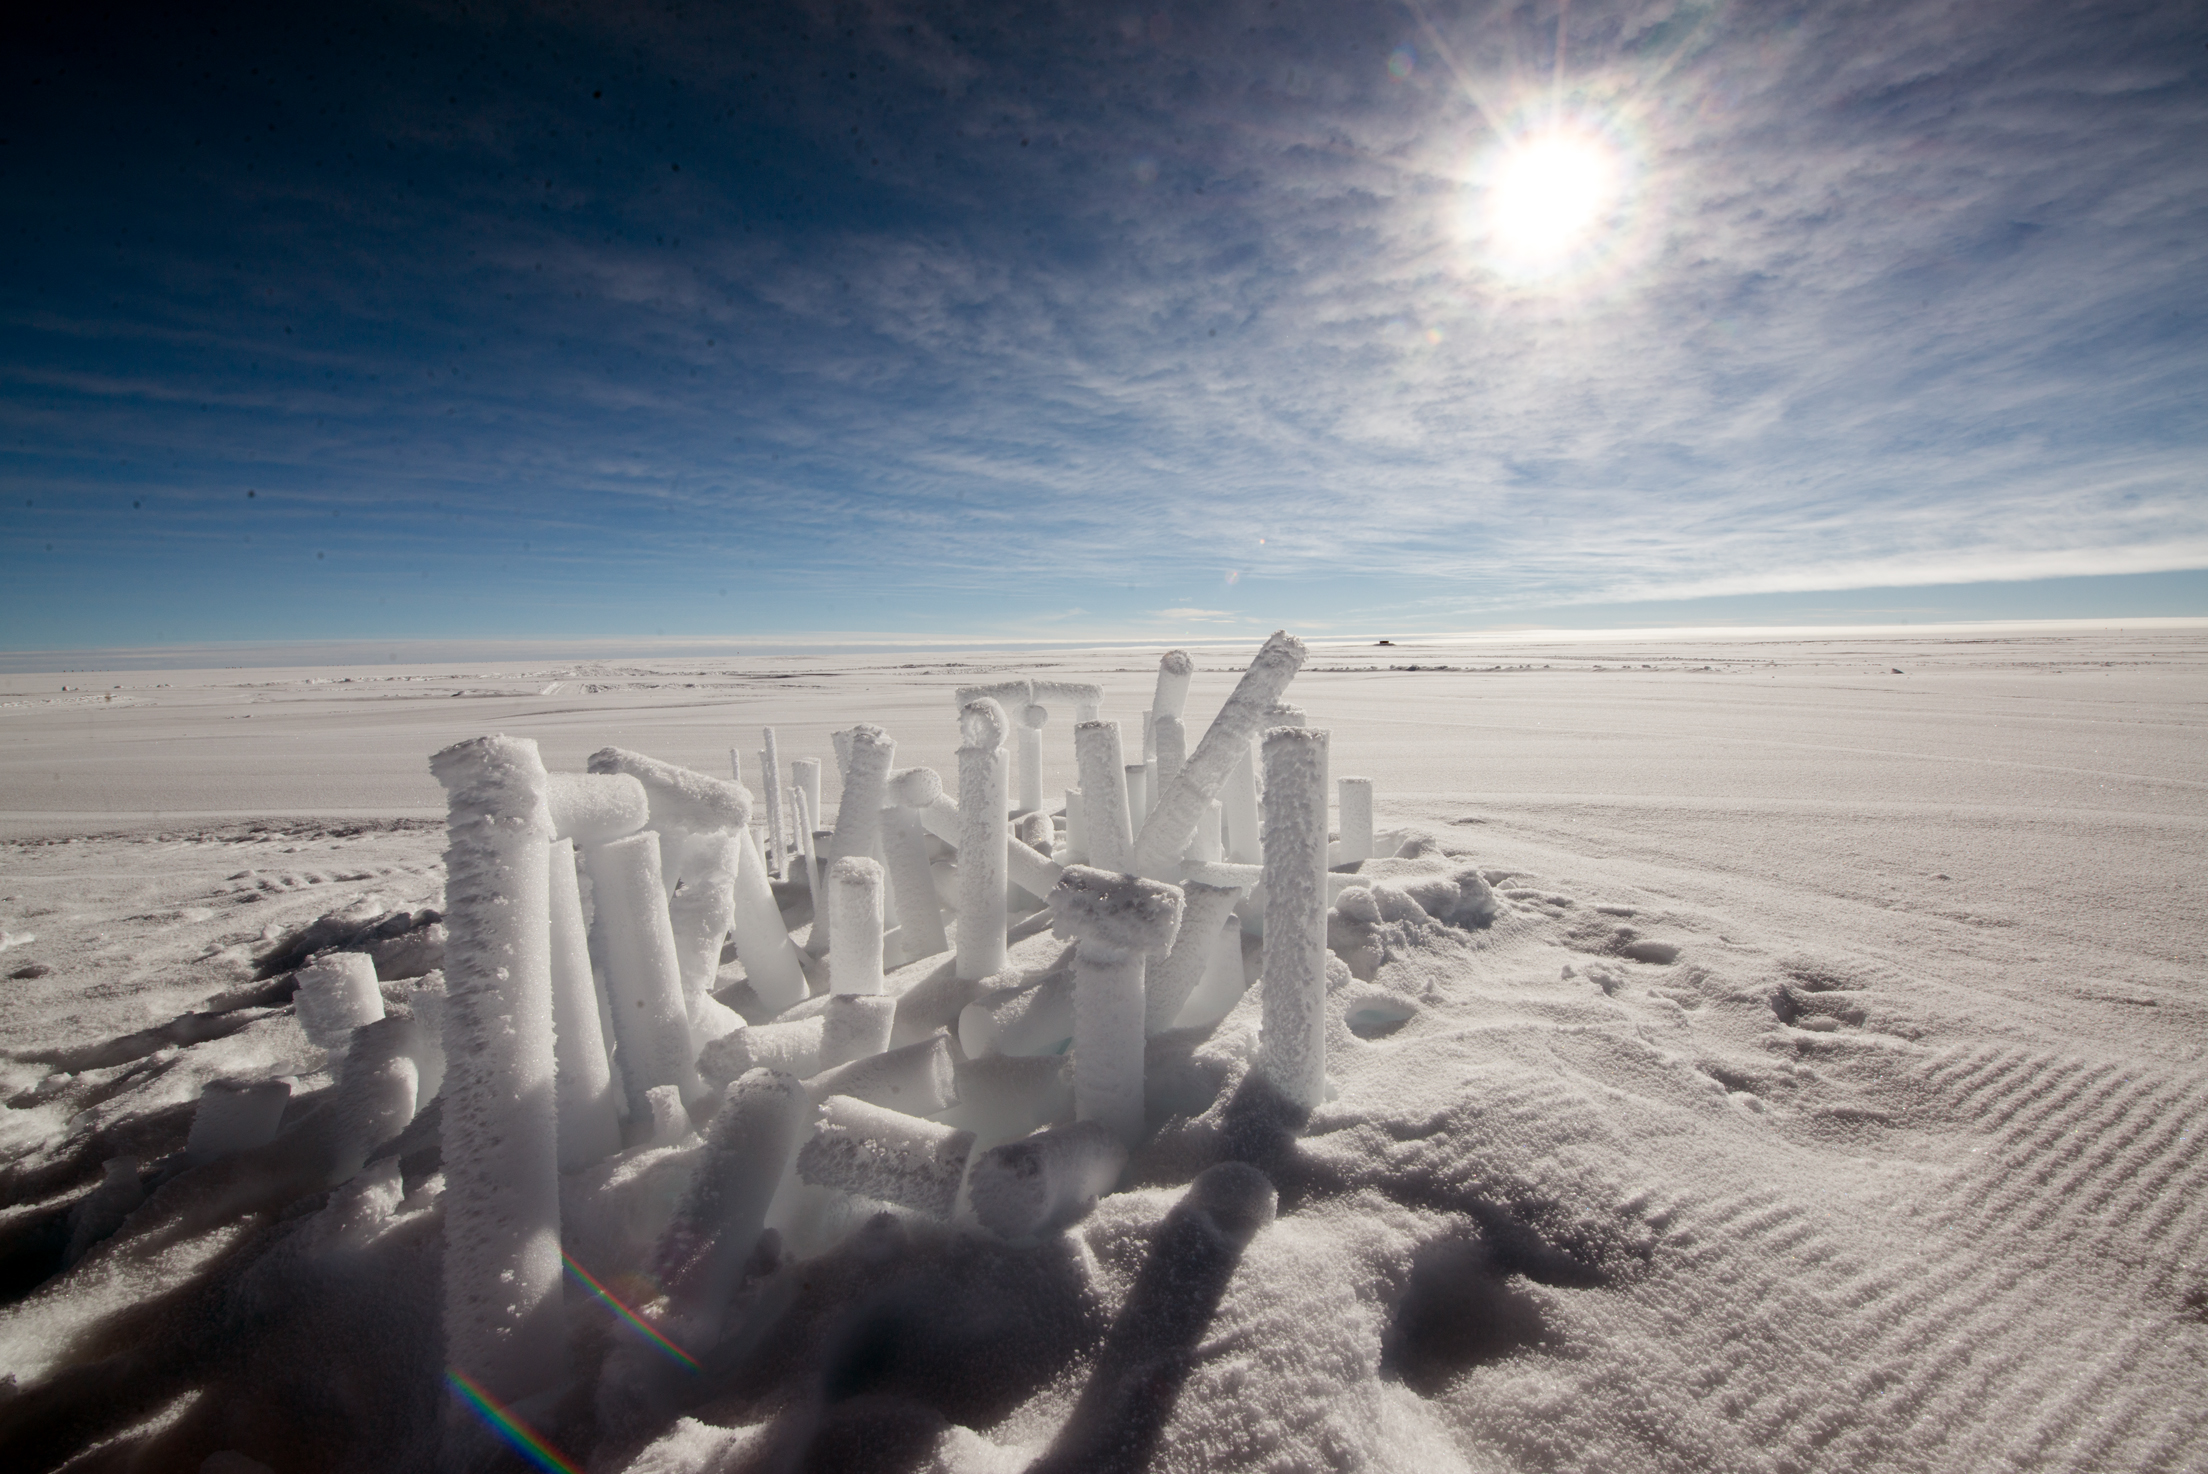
(34, 970)
(1899, 671)
(1383, 642)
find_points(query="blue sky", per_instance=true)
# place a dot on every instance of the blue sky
(1027, 321)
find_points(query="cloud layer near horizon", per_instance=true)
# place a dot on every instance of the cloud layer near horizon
(982, 313)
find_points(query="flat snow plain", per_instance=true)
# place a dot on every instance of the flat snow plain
(1896, 1163)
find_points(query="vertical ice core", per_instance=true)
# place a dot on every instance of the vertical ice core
(1172, 982)
(770, 773)
(1356, 809)
(982, 839)
(868, 752)
(590, 1118)
(805, 779)
(769, 957)
(865, 778)
(700, 914)
(1104, 814)
(1032, 719)
(636, 942)
(911, 878)
(1117, 923)
(1172, 741)
(855, 925)
(503, 1322)
(1292, 1044)
(337, 994)
(1238, 804)
(1173, 822)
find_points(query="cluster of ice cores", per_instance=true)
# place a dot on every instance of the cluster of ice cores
(894, 1055)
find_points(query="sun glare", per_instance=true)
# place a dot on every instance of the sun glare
(1549, 192)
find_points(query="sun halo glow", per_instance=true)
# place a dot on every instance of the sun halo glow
(1548, 193)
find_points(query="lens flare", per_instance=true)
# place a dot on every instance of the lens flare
(635, 1322)
(527, 1441)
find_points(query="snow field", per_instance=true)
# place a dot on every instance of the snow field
(1642, 1151)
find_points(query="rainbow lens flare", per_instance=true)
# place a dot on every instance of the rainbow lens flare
(526, 1440)
(635, 1322)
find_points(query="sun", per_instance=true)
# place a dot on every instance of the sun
(1549, 192)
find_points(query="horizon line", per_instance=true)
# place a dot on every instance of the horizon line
(281, 654)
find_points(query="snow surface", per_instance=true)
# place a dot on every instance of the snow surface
(1760, 1052)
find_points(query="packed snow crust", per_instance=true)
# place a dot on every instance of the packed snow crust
(1789, 1064)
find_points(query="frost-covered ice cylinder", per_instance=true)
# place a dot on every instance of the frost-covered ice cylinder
(1077, 833)
(235, 1116)
(855, 925)
(636, 942)
(1356, 809)
(1032, 720)
(1209, 843)
(1222, 984)
(911, 877)
(769, 957)
(503, 1323)
(1170, 698)
(1172, 740)
(680, 799)
(1045, 1181)
(1238, 799)
(793, 1046)
(590, 1117)
(1173, 823)
(379, 1093)
(868, 753)
(586, 809)
(807, 820)
(1084, 696)
(855, 1025)
(337, 994)
(700, 913)
(1171, 983)
(1116, 923)
(1292, 1042)
(770, 777)
(1011, 695)
(918, 1079)
(591, 808)
(1138, 793)
(886, 1155)
(748, 1144)
(1002, 1096)
(865, 783)
(1031, 1018)
(1104, 813)
(982, 839)
(805, 779)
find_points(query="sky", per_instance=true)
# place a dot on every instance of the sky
(1024, 321)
